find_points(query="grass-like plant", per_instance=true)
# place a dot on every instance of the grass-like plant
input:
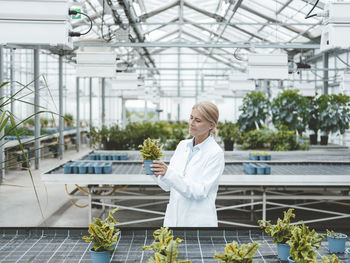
(282, 230)
(238, 254)
(150, 149)
(103, 233)
(166, 248)
(303, 244)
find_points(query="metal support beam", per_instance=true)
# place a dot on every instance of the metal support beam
(159, 10)
(2, 151)
(77, 141)
(145, 113)
(200, 45)
(123, 114)
(36, 107)
(325, 73)
(103, 101)
(90, 108)
(12, 78)
(60, 98)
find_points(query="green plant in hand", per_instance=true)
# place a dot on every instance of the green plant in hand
(330, 259)
(166, 248)
(282, 230)
(238, 254)
(150, 149)
(103, 233)
(303, 243)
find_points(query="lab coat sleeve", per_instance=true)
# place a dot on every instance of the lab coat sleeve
(162, 184)
(196, 187)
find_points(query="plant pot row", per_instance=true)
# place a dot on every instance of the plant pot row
(256, 168)
(114, 156)
(87, 168)
(259, 157)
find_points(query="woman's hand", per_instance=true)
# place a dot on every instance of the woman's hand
(159, 168)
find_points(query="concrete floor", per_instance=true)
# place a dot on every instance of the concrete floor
(19, 206)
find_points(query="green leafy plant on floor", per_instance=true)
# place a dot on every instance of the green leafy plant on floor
(255, 110)
(331, 259)
(238, 254)
(228, 132)
(282, 230)
(165, 247)
(103, 233)
(303, 243)
(150, 149)
(290, 109)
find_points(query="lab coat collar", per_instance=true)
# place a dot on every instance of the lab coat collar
(198, 146)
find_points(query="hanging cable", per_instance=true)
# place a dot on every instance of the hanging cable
(308, 14)
(77, 34)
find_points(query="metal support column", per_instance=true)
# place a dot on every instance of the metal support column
(325, 73)
(178, 83)
(90, 108)
(60, 98)
(264, 205)
(2, 150)
(145, 111)
(103, 101)
(36, 108)
(77, 142)
(12, 78)
(196, 100)
(123, 114)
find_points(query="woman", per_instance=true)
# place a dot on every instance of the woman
(192, 176)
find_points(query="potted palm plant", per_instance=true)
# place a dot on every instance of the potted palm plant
(235, 253)
(228, 132)
(336, 242)
(166, 248)
(103, 236)
(150, 151)
(303, 244)
(280, 233)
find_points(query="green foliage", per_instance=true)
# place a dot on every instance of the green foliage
(313, 114)
(103, 233)
(284, 140)
(179, 132)
(150, 149)
(332, 234)
(21, 131)
(44, 122)
(256, 139)
(228, 131)
(255, 109)
(282, 231)
(166, 248)
(29, 122)
(330, 259)
(303, 243)
(68, 119)
(290, 109)
(334, 113)
(238, 254)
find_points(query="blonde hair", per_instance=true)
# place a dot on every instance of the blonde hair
(210, 112)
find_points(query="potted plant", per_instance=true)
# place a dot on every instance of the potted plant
(280, 233)
(68, 119)
(228, 132)
(103, 236)
(334, 114)
(336, 242)
(238, 254)
(330, 259)
(255, 110)
(150, 151)
(166, 249)
(313, 119)
(289, 109)
(303, 243)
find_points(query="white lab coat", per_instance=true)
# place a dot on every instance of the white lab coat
(193, 192)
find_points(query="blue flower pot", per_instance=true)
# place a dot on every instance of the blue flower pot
(91, 168)
(260, 169)
(67, 168)
(123, 157)
(82, 168)
(147, 164)
(283, 251)
(103, 157)
(97, 157)
(267, 168)
(115, 156)
(290, 260)
(98, 168)
(92, 156)
(268, 157)
(336, 244)
(263, 157)
(107, 168)
(100, 257)
(255, 157)
(75, 167)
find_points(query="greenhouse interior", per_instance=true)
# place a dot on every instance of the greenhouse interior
(175, 131)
